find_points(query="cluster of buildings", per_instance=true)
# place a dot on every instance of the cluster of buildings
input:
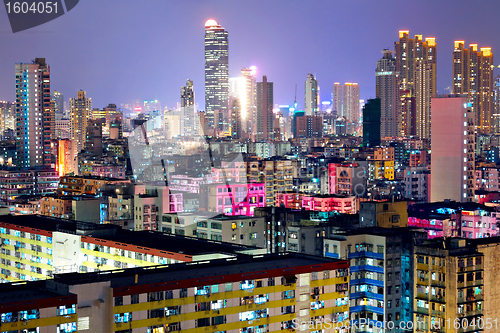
(246, 217)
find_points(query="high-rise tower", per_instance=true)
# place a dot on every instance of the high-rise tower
(386, 87)
(496, 105)
(350, 106)
(236, 119)
(80, 114)
(58, 99)
(35, 117)
(337, 99)
(311, 95)
(264, 109)
(416, 62)
(473, 77)
(453, 150)
(189, 121)
(248, 99)
(216, 75)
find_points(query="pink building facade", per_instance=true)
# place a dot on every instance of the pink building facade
(232, 199)
(318, 203)
(466, 224)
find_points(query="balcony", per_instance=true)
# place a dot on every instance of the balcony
(422, 311)
(438, 298)
(469, 283)
(474, 313)
(436, 283)
(466, 299)
(437, 313)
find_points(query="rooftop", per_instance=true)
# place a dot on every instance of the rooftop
(195, 270)
(190, 246)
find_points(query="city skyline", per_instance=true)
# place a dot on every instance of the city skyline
(275, 54)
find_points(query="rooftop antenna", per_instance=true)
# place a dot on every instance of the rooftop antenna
(295, 102)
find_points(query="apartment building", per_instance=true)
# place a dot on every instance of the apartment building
(267, 293)
(232, 198)
(84, 208)
(454, 219)
(456, 279)
(385, 214)
(381, 276)
(487, 179)
(243, 230)
(36, 248)
(151, 202)
(322, 203)
(277, 176)
(417, 183)
(76, 185)
(348, 178)
(26, 182)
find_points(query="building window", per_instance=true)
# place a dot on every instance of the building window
(118, 300)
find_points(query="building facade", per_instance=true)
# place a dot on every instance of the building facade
(216, 72)
(35, 121)
(453, 155)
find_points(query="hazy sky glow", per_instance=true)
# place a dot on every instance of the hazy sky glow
(131, 49)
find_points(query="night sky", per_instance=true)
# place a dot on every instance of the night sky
(122, 50)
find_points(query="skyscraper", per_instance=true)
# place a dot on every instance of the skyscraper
(35, 119)
(372, 123)
(386, 89)
(189, 125)
(453, 150)
(248, 100)
(80, 113)
(496, 105)
(236, 123)
(216, 74)
(350, 106)
(58, 99)
(264, 109)
(416, 61)
(337, 99)
(311, 95)
(473, 77)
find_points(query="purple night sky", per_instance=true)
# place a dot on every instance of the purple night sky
(119, 51)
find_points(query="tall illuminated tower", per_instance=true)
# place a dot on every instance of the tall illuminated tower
(386, 89)
(248, 99)
(189, 121)
(350, 106)
(311, 95)
(416, 62)
(473, 77)
(236, 117)
(264, 109)
(216, 74)
(337, 99)
(35, 119)
(80, 114)
(496, 105)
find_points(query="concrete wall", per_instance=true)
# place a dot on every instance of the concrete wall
(448, 132)
(95, 301)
